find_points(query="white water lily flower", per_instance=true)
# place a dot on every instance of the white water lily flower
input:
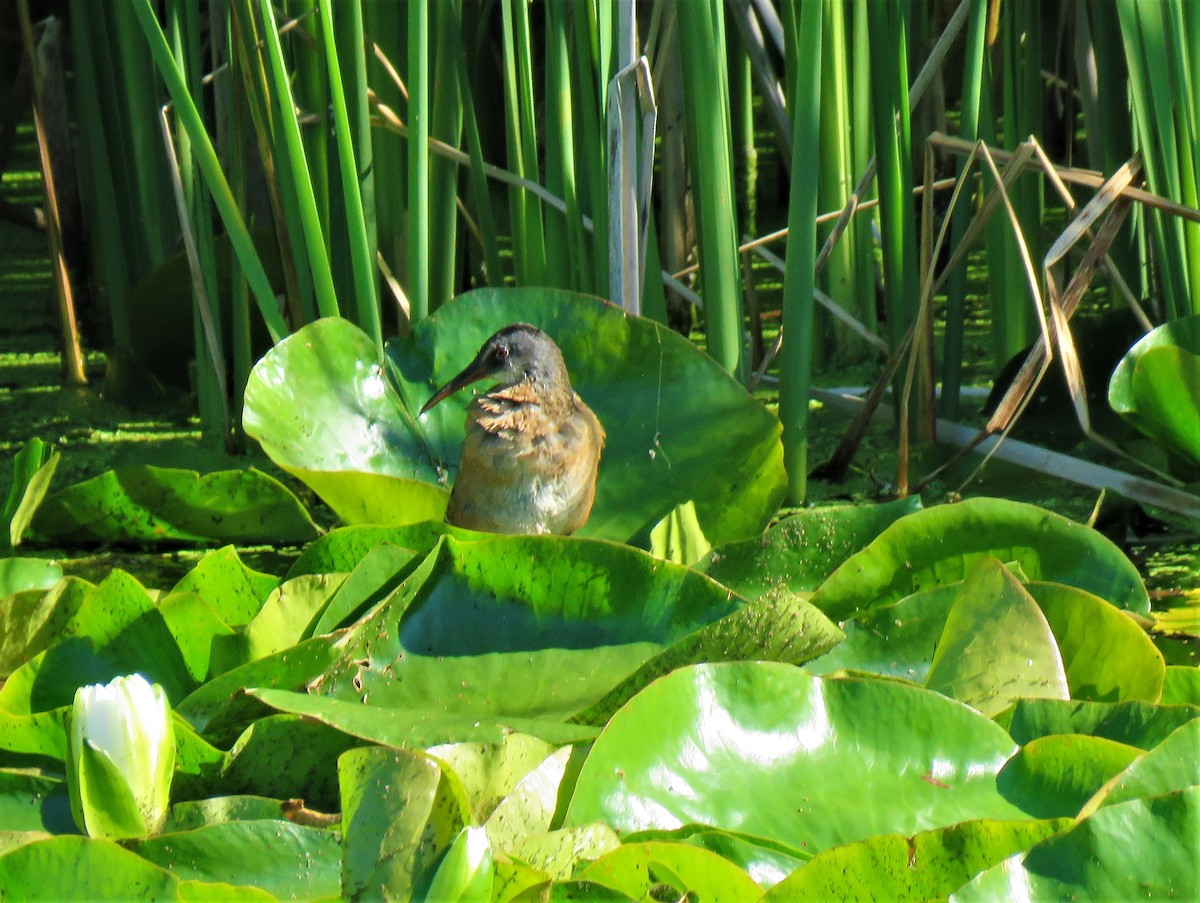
(121, 758)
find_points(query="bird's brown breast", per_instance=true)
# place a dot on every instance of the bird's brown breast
(528, 464)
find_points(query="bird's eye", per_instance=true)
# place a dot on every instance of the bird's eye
(501, 353)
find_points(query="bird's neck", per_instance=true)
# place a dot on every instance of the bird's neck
(526, 405)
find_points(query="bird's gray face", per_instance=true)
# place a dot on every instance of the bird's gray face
(520, 352)
(515, 354)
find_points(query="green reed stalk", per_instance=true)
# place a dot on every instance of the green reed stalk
(1103, 81)
(889, 88)
(299, 178)
(1012, 317)
(480, 194)
(589, 88)
(1160, 41)
(211, 366)
(956, 286)
(795, 367)
(862, 149)
(361, 257)
(385, 27)
(151, 193)
(447, 127)
(566, 244)
(116, 244)
(529, 245)
(706, 92)
(836, 179)
(311, 86)
(210, 167)
(418, 159)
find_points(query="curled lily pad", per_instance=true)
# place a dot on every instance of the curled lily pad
(141, 503)
(939, 545)
(996, 645)
(679, 428)
(1156, 387)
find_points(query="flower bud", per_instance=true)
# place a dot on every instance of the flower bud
(121, 758)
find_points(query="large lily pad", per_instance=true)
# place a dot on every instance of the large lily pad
(679, 428)
(939, 545)
(766, 749)
(555, 623)
(1156, 387)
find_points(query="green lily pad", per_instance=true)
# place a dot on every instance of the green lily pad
(558, 852)
(18, 575)
(635, 868)
(344, 549)
(1171, 765)
(284, 756)
(217, 810)
(33, 468)
(378, 574)
(896, 640)
(939, 545)
(33, 802)
(769, 750)
(1181, 684)
(288, 669)
(679, 428)
(233, 590)
(1141, 849)
(766, 861)
(778, 627)
(996, 646)
(115, 630)
(31, 620)
(489, 771)
(288, 861)
(198, 632)
(1156, 387)
(927, 866)
(140, 503)
(413, 728)
(1139, 724)
(400, 813)
(1107, 656)
(77, 868)
(530, 806)
(556, 623)
(802, 550)
(1052, 777)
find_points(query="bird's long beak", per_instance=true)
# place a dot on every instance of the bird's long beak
(474, 371)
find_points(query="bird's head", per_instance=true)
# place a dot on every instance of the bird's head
(517, 353)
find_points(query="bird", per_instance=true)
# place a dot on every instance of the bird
(532, 448)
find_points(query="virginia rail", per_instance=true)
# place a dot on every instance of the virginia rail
(532, 449)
